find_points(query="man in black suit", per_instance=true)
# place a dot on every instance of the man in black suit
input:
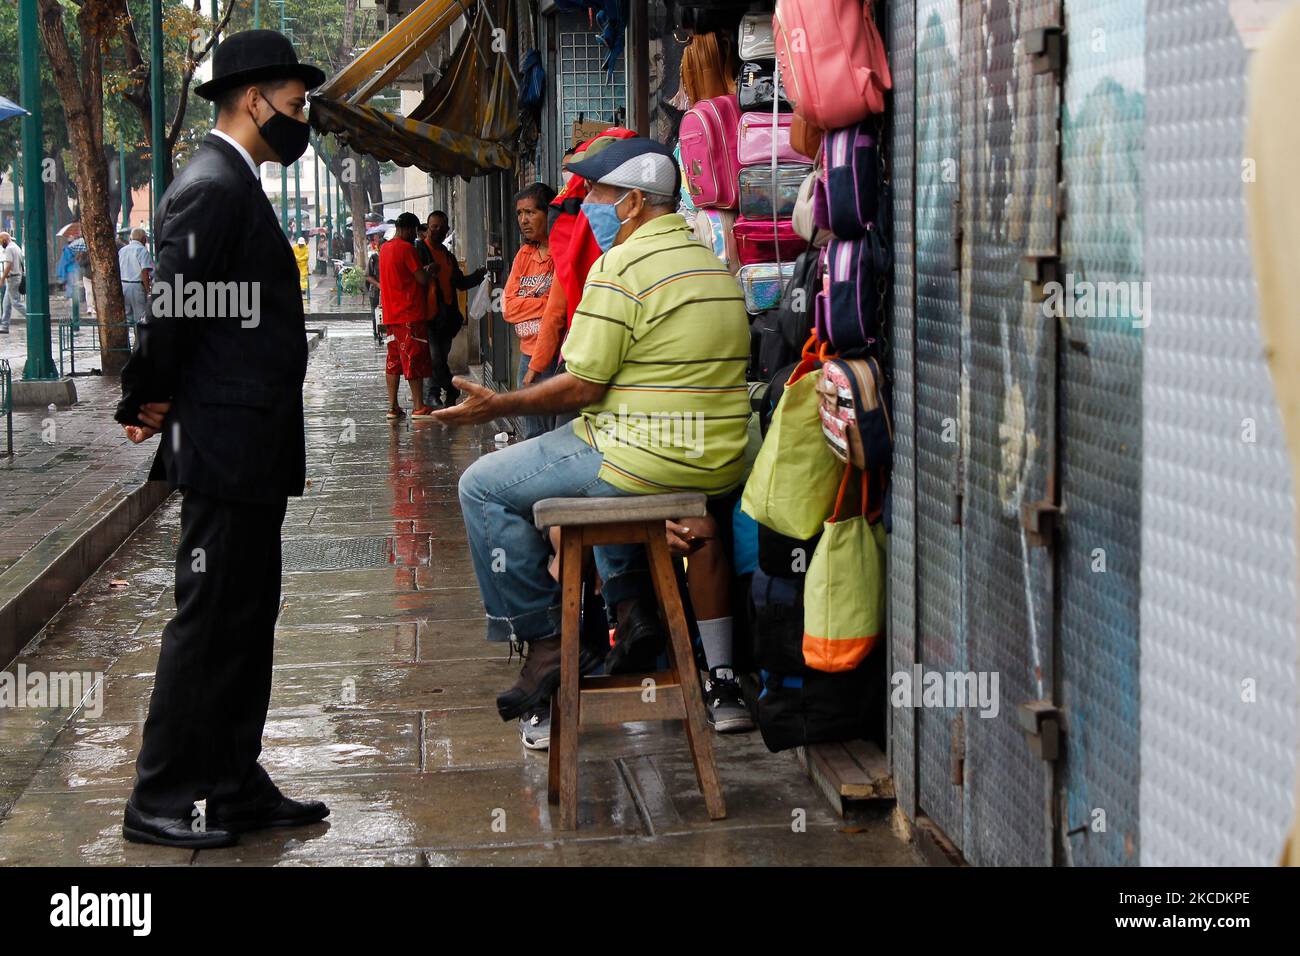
(217, 371)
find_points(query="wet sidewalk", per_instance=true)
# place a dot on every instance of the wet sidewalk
(382, 699)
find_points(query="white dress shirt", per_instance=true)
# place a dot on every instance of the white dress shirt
(248, 158)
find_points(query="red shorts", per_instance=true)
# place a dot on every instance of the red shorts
(408, 350)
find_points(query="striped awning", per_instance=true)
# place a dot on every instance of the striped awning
(467, 123)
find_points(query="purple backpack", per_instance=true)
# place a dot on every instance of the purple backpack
(847, 195)
(847, 312)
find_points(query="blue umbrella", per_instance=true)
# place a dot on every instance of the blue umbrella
(9, 108)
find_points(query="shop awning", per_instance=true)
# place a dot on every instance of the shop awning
(465, 126)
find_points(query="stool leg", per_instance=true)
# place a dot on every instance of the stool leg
(683, 661)
(564, 736)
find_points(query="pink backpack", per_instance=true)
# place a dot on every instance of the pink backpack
(832, 60)
(708, 140)
(754, 140)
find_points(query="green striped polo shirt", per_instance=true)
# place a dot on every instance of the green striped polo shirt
(663, 323)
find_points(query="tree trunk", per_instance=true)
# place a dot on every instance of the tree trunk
(81, 92)
(357, 200)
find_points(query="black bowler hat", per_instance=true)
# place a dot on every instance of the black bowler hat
(252, 57)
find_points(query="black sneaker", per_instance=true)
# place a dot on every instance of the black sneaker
(727, 711)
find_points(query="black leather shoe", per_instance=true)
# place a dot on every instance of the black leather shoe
(639, 641)
(282, 813)
(540, 677)
(141, 827)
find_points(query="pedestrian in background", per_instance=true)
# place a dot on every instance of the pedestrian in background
(402, 297)
(301, 254)
(136, 267)
(443, 306)
(11, 277)
(528, 287)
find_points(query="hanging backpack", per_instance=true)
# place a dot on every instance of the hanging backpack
(705, 71)
(756, 37)
(708, 140)
(754, 137)
(855, 415)
(832, 58)
(847, 194)
(771, 194)
(762, 240)
(759, 88)
(782, 331)
(847, 314)
(713, 227)
(803, 219)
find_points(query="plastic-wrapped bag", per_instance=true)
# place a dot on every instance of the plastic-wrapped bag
(481, 301)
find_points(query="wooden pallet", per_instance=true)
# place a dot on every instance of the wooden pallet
(848, 773)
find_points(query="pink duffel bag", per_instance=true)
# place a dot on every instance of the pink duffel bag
(832, 60)
(708, 140)
(754, 139)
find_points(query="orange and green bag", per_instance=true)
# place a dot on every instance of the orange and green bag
(844, 590)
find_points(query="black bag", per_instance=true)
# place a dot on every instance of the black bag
(22, 284)
(776, 613)
(814, 707)
(756, 87)
(780, 333)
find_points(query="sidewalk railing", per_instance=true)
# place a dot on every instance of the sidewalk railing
(7, 403)
(71, 342)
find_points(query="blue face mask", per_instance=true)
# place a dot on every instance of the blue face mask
(604, 221)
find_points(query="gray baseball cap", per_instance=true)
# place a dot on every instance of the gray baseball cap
(636, 163)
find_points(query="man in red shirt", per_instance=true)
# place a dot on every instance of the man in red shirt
(401, 293)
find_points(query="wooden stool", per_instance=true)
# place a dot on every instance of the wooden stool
(583, 702)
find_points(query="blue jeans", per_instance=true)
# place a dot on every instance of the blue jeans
(533, 425)
(510, 553)
(10, 297)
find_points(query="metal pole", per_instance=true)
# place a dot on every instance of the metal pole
(18, 198)
(257, 14)
(297, 196)
(40, 360)
(156, 95)
(284, 172)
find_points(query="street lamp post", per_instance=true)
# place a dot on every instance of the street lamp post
(40, 360)
(284, 170)
(156, 95)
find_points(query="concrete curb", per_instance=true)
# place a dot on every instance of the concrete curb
(46, 585)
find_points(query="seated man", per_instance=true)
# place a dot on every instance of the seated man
(655, 361)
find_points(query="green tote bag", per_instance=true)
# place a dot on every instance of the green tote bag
(792, 486)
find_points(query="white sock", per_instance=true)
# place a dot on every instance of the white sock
(715, 635)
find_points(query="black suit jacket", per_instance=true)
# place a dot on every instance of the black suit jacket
(233, 367)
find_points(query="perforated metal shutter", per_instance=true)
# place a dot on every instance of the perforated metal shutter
(1218, 561)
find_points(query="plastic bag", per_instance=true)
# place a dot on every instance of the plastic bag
(481, 300)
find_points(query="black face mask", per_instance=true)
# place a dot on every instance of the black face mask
(285, 135)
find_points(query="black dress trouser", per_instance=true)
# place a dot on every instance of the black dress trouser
(212, 689)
